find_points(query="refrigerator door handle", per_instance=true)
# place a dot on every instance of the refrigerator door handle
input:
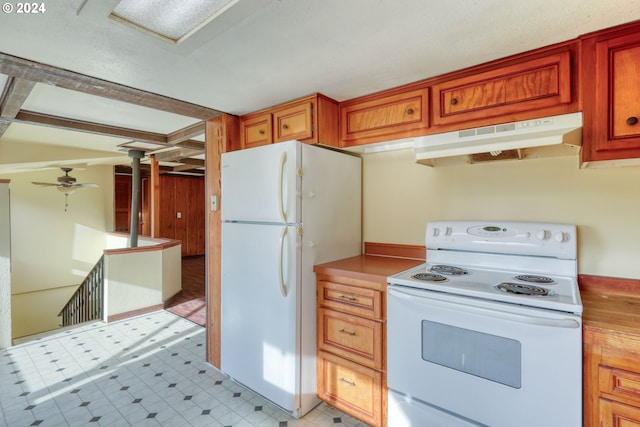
(283, 286)
(283, 160)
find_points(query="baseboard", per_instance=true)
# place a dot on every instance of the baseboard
(134, 313)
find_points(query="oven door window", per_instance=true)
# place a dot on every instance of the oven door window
(486, 356)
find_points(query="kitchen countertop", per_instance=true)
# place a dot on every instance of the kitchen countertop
(372, 268)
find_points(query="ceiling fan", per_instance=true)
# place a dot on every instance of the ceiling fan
(66, 184)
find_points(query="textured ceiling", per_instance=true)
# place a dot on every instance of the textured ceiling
(263, 52)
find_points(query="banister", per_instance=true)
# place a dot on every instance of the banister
(87, 302)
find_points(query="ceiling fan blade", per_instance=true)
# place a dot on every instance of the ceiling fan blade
(88, 185)
(45, 184)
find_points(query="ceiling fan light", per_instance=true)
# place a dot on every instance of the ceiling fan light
(66, 190)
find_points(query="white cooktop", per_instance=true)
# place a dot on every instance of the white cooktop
(494, 253)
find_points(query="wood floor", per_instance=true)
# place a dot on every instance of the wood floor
(191, 304)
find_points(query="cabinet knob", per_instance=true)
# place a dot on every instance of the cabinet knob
(632, 121)
(454, 101)
(410, 111)
(261, 131)
(285, 126)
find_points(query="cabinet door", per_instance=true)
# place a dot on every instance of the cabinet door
(256, 131)
(351, 388)
(351, 337)
(618, 95)
(535, 84)
(293, 123)
(386, 118)
(614, 414)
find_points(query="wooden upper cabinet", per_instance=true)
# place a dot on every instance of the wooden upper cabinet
(532, 85)
(312, 119)
(611, 64)
(256, 130)
(294, 123)
(384, 117)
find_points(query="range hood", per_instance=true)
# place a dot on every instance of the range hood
(545, 137)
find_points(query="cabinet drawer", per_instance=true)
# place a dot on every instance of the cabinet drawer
(351, 337)
(293, 123)
(256, 131)
(350, 299)
(354, 389)
(535, 84)
(387, 118)
(620, 383)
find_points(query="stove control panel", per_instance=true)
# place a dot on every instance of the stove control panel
(516, 238)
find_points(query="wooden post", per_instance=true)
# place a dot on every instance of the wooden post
(222, 134)
(155, 197)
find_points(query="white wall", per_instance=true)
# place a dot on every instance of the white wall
(400, 197)
(136, 280)
(5, 266)
(53, 250)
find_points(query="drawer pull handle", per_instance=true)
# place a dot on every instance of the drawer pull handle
(348, 298)
(344, 331)
(454, 101)
(261, 131)
(632, 121)
(285, 126)
(351, 383)
(410, 111)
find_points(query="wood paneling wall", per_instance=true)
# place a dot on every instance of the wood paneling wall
(182, 212)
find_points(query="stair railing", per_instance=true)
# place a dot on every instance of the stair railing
(87, 303)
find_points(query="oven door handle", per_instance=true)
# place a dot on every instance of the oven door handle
(418, 296)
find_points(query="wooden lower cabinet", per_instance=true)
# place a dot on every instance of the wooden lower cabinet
(611, 383)
(351, 347)
(350, 387)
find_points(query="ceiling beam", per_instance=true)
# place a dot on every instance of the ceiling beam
(199, 163)
(41, 73)
(13, 95)
(4, 125)
(190, 143)
(17, 92)
(176, 154)
(186, 133)
(32, 118)
(186, 167)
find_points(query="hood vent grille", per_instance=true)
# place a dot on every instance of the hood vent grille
(544, 137)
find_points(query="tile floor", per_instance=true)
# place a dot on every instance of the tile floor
(144, 371)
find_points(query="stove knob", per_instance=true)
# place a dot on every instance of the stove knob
(448, 231)
(436, 232)
(561, 237)
(543, 235)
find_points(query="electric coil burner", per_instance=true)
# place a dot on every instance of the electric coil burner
(429, 277)
(520, 289)
(448, 270)
(535, 279)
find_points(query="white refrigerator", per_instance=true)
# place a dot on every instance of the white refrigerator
(285, 207)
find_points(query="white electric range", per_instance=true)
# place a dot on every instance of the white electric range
(488, 331)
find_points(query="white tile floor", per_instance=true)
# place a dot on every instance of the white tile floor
(145, 371)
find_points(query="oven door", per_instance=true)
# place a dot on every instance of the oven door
(480, 362)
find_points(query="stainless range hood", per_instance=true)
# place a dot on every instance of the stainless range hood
(545, 137)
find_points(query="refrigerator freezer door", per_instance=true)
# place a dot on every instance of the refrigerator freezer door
(262, 184)
(259, 345)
